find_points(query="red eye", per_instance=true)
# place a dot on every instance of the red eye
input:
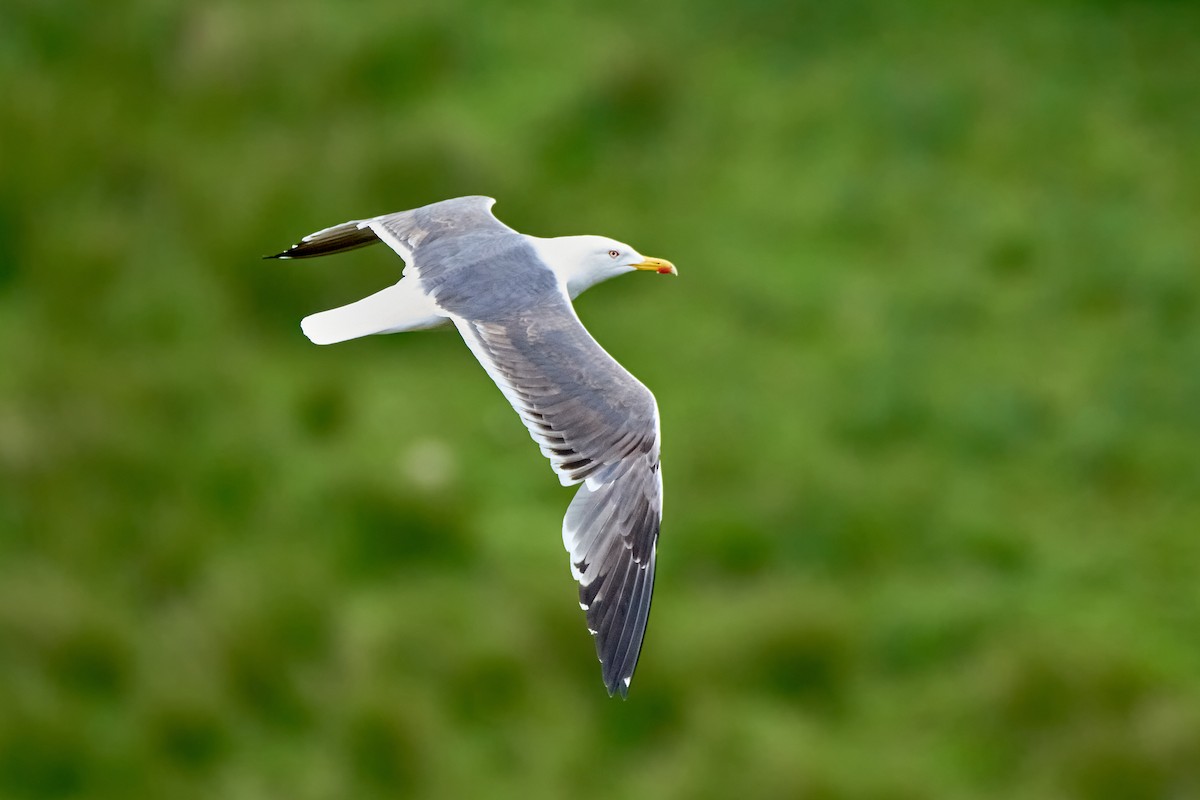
(613, 253)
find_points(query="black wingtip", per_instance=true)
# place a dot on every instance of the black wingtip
(282, 256)
(620, 690)
(618, 686)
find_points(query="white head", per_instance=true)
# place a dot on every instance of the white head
(581, 262)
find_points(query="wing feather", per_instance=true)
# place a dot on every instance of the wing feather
(598, 425)
(403, 231)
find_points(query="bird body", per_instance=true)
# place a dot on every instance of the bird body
(509, 295)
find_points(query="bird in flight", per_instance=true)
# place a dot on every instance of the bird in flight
(509, 295)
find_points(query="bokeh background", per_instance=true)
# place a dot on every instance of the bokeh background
(929, 382)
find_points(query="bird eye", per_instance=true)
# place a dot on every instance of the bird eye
(613, 253)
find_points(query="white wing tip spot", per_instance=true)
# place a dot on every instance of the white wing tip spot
(583, 607)
(626, 681)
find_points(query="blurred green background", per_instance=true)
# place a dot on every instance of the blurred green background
(929, 383)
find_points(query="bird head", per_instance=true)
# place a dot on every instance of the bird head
(583, 261)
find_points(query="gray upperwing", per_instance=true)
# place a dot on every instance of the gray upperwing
(443, 220)
(598, 425)
(404, 231)
(585, 410)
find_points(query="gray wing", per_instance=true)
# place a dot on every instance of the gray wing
(598, 425)
(403, 231)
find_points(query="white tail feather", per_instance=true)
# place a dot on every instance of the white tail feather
(403, 307)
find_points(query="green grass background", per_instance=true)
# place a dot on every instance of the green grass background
(929, 384)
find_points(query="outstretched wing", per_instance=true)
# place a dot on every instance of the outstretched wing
(403, 231)
(598, 425)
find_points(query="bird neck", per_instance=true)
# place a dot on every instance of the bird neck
(568, 257)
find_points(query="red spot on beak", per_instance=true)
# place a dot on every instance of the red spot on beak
(664, 270)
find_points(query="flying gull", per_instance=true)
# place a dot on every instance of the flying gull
(509, 295)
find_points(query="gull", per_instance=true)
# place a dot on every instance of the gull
(509, 295)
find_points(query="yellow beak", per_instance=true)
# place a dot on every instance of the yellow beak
(659, 265)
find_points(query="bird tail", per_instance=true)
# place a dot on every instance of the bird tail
(402, 307)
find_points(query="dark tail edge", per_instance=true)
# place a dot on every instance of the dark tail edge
(338, 239)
